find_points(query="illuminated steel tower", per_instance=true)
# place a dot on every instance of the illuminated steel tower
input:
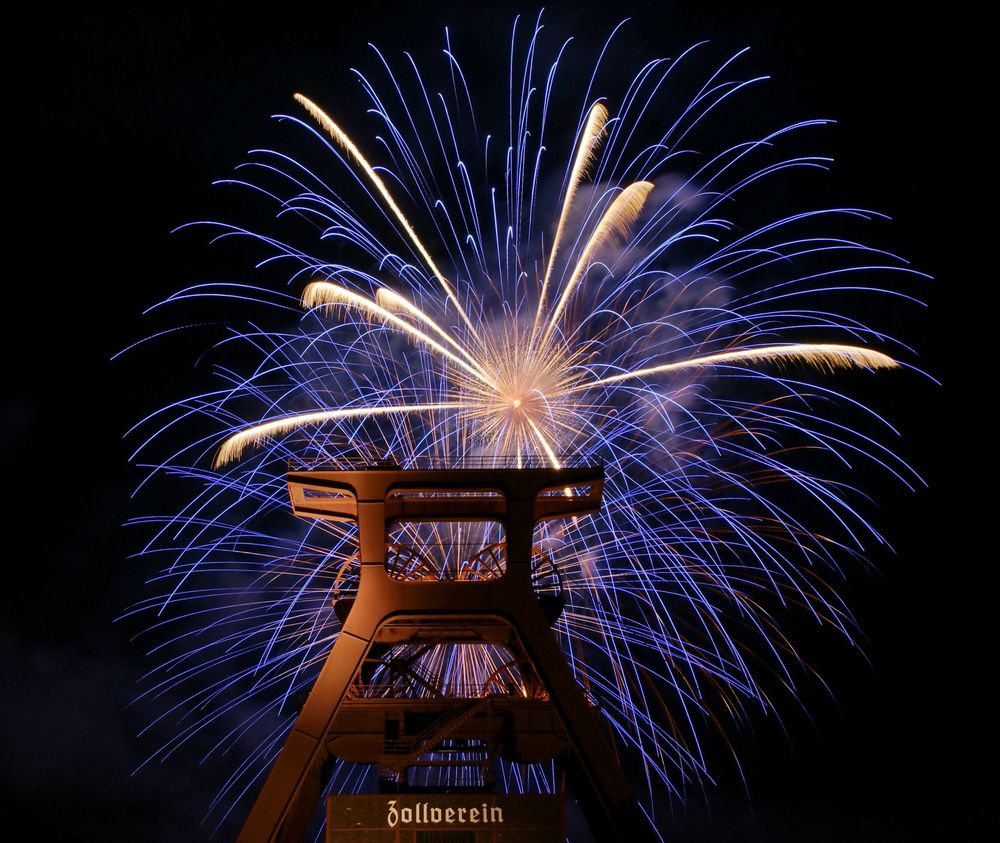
(506, 595)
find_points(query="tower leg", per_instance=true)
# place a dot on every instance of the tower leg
(293, 787)
(593, 768)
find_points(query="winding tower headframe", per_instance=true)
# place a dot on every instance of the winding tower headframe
(497, 601)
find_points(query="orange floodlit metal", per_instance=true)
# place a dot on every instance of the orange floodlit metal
(505, 609)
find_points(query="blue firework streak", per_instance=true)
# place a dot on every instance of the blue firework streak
(447, 303)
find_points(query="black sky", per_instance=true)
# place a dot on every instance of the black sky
(124, 120)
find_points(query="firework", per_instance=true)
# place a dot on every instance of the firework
(626, 312)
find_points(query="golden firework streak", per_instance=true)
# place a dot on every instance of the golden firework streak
(232, 449)
(589, 141)
(544, 443)
(323, 293)
(819, 355)
(341, 137)
(390, 300)
(617, 220)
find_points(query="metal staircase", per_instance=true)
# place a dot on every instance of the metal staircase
(399, 755)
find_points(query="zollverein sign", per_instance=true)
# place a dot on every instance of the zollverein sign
(483, 818)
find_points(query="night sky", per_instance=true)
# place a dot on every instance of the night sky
(124, 123)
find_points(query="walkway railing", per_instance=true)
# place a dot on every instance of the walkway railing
(428, 463)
